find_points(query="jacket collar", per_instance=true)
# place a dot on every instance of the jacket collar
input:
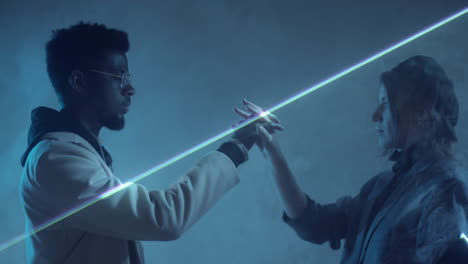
(45, 120)
(416, 156)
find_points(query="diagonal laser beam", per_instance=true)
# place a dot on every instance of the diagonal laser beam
(145, 174)
(464, 237)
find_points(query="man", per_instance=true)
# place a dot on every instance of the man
(65, 164)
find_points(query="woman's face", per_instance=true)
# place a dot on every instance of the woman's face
(383, 119)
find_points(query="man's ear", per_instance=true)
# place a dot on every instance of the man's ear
(78, 83)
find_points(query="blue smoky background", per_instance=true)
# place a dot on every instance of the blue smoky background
(192, 62)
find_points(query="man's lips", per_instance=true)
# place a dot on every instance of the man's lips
(126, 107)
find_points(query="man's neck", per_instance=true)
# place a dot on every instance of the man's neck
(86, 118)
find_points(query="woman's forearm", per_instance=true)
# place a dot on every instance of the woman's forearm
(294, 199)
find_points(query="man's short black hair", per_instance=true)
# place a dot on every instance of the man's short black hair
(77, 48)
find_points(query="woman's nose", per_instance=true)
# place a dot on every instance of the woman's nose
(377, 115)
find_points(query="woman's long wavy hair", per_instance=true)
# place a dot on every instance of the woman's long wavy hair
(421, 95)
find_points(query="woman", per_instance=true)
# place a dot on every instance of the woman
(413, 213)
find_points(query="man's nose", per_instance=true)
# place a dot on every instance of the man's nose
(129, 90)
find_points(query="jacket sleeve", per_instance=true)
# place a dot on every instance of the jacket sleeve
(71, 176)
(329, 222)
(443, 226)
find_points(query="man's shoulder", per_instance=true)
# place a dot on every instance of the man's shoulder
(65, 142)
(63, 158)
(55, 144)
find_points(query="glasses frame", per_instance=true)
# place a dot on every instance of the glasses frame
(125, 79)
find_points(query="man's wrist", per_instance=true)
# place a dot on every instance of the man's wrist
(242, 147)
(235, 150)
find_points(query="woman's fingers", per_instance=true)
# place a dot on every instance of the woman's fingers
(274, 118)
(257, 110)
(271, 127)
(242, 113)
(254, 110)
(264, 134)
(252, 107)
(268, 120)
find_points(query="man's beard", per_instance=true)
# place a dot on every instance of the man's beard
(116, 122)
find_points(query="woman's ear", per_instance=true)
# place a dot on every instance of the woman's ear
(78, 83)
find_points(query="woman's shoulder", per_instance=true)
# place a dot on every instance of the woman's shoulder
(447, 172)
(450, 182)
(453, 174)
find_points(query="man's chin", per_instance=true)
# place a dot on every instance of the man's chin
(116, 124)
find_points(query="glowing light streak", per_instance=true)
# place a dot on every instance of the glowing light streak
(464, 237)
(18, 239)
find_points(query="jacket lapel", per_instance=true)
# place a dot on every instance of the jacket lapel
(407, 181)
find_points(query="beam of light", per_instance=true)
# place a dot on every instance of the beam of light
(229, 131)
(370, 59)
(463, 236)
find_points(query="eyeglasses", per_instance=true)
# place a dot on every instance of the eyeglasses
(125, 79)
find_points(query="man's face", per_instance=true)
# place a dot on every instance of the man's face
(384, 120)
(110, 100)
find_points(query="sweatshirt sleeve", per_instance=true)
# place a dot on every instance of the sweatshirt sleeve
(72, 176)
